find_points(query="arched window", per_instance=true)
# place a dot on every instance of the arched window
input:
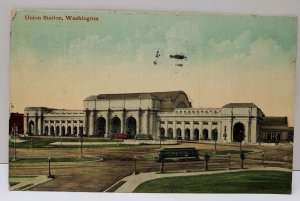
(81, 130)
(131, 126)
(52, 130)
(214, 134)
(178, 133)
(101, 126)
(162, 132)
(57, 130)
(63, 130)
(238, 132)
(31, 128)
(187, 134)
(170, 133)
(69, 130)
(75, 130)
(46, 130)
(205, 134)
(115, 125)
(196, 134)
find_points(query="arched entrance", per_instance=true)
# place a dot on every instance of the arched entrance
(101, 126)
(31, 128)
(214, 134)
(69, 130)
(238, 132)
(46, 130)
(162, 132)
(205, 134)
(81, 130)
(116, 125)
(52, 130)
(57, 130)
(63, 130)
(178, 133)
(75, 130)
(196, 134)
(131, 126)
(187, 134)
(170, 133)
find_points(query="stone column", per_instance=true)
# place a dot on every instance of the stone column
(249, 129)
(201, 130)
(107, 126)
(210, 130)
(36, 125)
(139, 121)
(26, 124)
(123, 121)
(41, 119)
(86, 121)
(230, 130)
(92, 123)
(150, 122)
(147, 121)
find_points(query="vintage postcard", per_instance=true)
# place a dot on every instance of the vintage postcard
(151, 102)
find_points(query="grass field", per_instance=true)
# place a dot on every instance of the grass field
(45, 142)
(45, 160)
(274, 182)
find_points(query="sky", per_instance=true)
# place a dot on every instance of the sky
(227, 58)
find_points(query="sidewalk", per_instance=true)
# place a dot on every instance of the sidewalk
(133, 181)
(27, 182)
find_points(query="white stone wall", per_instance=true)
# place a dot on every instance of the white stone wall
(129, 104)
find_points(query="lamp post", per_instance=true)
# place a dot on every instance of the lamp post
(15, 149)
(134, 158)
(263, 159)
(159, 136)
(49, 168)
(186, 162)
(81, 142)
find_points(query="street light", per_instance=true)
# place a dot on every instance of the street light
(186, 162)
(81, 142)
(15, 148)
(159, 128)
(49, 171)
(134, 158)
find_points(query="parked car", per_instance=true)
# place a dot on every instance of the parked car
(121, 136)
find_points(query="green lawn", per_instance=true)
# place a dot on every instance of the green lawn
(45, 160)
(274, 182)
(217, 153)
(45, 142)
(226, 152)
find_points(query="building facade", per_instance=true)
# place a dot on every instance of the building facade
(166, 114)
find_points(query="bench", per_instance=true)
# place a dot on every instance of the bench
(178, 153)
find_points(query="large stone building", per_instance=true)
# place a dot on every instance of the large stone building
(169, 114)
